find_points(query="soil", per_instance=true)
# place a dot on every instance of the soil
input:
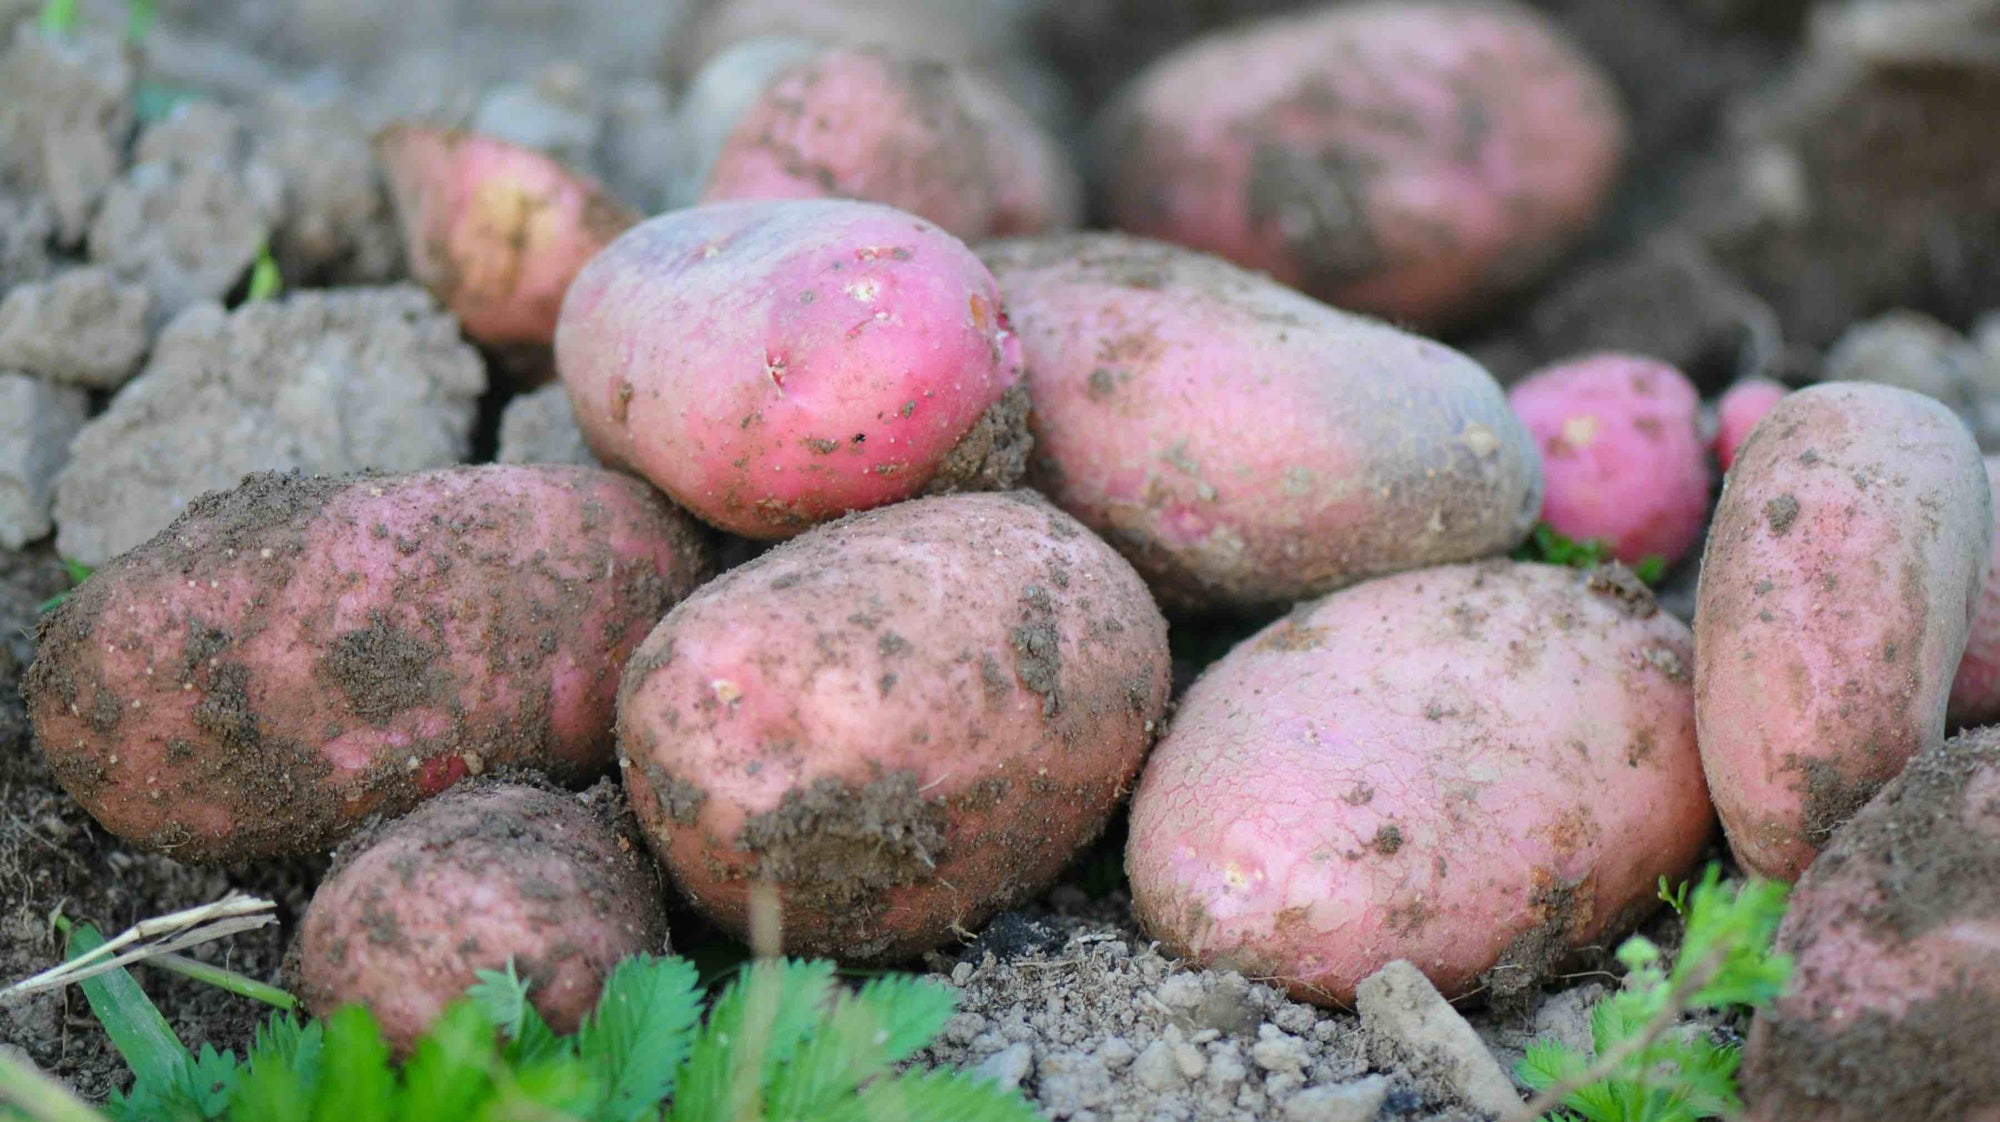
(1790, 182)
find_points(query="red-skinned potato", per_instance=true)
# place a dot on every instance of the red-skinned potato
(496, 231)
(772, 365)
(1622, 454)
(921, 136)
(1975, 689)
(904, 721)
(1477, 768)
(294, 655)
(1843, 569)
(1894, 998)
(1410, 159)
(484, 874)
(1737, 414)
(1244, 445)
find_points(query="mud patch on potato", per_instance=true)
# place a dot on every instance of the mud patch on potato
(1319, 203)
(1933, 869)
(1038, 648)
(1623, 588)
(1559, 911)
(1916, 1066)
(678, 799)
(993, 456)
(1830, 798)
(834, 847)
(380, 670)
(1780, 513)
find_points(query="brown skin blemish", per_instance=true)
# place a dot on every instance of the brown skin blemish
(1387, 840)
(1038, 648)
(1780, 513)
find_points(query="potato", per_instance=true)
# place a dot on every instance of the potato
(1622, 453)
(904, 721)
(296, 654)
(1895, 991)
(1975, 688)
(497, 232)
(1477, 768)
(1244, 445)
(1737, 414)
(485, 873)
(1843, 568)
(921, 136)
(772, 365)
(1410, 158)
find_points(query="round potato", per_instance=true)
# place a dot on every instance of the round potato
(1477, 768)
(1845, 563)
(1245, 445)
(482, 875)
(903, 722)
(296, 654)
(1410, 159)
(772, 365)
(1895, 990)
(1975, 688)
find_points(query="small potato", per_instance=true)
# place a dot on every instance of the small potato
(1975, 690)
(482, 874)
(1411, 158)
(1622, 453)
(921, 136)
(1478, 768)
(904, 721)
(1846, 560)
(1895, 992)
(496, 232)
(1737, 414)
(772, 365)
(1244, 445)
(294, 655)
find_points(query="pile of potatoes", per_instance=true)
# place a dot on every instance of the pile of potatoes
(982, 454)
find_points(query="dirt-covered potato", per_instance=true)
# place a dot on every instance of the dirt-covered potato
(1478, 768)
(1975, 688)
(1411, 159)
(485, 873)
(298, 653)
(1894, 1000)
(1842, 572)
(775, 364)
(1242, 444)
(904, 721)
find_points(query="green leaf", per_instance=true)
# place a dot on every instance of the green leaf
(139, 17)
(1548, 1063)
(503, 996)
(1651, 569)
(356, 1084)
(141, 1035)
(266, 283)
(449, 1073)
(58, 17)
(932, 1096)
(641, 1030)
(759, 1021)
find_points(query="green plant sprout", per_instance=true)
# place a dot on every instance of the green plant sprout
(1647, 1067)
(58, 17)
(1550, 547)
(266, 283)
(78, 572)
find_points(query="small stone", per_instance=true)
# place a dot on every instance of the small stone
(83, 328)
(1225, 1065)
(37, 423)
(961, 973)
(1351, 1102)
(1276, 1050)
(1226, 1005)
(964, 1028)
(1115, 1052)
(1007, 1067)
(1070, 1082)
(1910, 351)
(1410, 1025)
(1156, 1068)
(65, 114)
(337, 226)
(1180, 991)
(1189, 1061)
(1295, 1018)
(27, 227)
(986, 1043)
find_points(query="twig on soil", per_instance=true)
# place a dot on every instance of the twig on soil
(160, 935)
(225, 979)
(1610, 1063)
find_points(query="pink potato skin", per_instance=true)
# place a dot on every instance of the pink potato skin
(480, 875)
(1894, 996)
(1460, 766)
(294, 655)
(1843, 569)
(1741, 407)
(1243, 444)
(1975, 689)
(916, 135)
(1621, 453)
(905, 721)
(1409, 159)
(771, 365)
(497, 232)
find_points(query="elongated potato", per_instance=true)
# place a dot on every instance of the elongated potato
(1409, 158)
(484, 874)
(1243, 444)
(1478, 768)
(772, 365)
(1895, 992)
(296, 654)
(1842, 571)
(903, 721)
